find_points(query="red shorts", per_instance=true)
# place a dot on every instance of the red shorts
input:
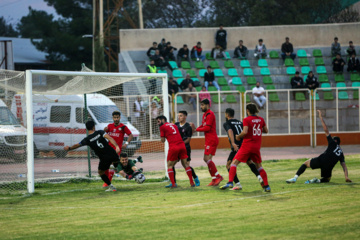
(245, 153)
(210, 149)
(177, 152)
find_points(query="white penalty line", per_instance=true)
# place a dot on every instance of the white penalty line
(183, 206)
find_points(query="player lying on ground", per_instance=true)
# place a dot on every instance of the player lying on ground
(177, 149)
(127, 168)
(254, 126)
(326, 161)
(117, 131)
(208, 126)
(98, 141)
(186, 131)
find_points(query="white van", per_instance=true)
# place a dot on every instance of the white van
(59, 120)
(12, 135)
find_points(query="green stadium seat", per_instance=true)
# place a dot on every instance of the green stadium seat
(290, 71)
(230, 99)
(208, 56)
(317, 96)
(232, 72)
(215, 98)
(341, 86)
(162, 71)
(198, 88)
(267, 80)
(218, 73)
(328, 96)
(305, 70)
(356, 91)
(247, 98)
(225, 88)
(289, 62)
(339, 77)
(227, 55)
(236, 81)
(195, 79)
(229, 64)
(212, 89)
(273, 97)
(251, 80)
(202, 72)
(264, 71)
(244, 64)
(321, 69)
(240, 89)
(177, 73)
(303, 62)
(323, 78)
(326, 85)
(270, 87)
(248, 72)
(317, 53)
(354, 77)
(319, 61)
(262, 63)
(301, 53)
(185, 65)
(179, 80)
(199, 65)
(300, 96)
(179, 99)
(274, 54)
(214, 64)
(222, 81)
(342, 95)
(173, 64)
(191, 73)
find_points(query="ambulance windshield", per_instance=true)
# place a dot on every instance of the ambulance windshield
(104, 113)
(6, 117)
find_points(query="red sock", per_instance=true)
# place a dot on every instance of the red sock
(212, 168)
(189, 173)
(263, 175)
(171, 176)
(232, 172)
(111, 174)
(107, 173)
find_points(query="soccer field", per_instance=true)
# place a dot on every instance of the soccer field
(82, 210)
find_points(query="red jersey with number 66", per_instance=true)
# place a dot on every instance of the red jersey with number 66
(255, 126)
(171, 132)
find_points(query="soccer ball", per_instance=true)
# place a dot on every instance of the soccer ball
(140, 178)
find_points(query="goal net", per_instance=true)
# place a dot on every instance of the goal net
(43, 111)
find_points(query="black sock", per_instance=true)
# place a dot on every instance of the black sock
(105, 178)
(193, 173)
(301, 170)
(254, 169)
(174, 174)
(236, 180)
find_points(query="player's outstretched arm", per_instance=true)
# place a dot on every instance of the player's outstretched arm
(326, 130)
(205, 128)
(347, 179)
(243, 133)
(75, 146)
(112, 142)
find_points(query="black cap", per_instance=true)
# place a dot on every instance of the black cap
(163, 39)
(185, 45)
(171, 78)
(260, 40)
(297, 72)
(154, 42)
(205, 101)
(198, 42)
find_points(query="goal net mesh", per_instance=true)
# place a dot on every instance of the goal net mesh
(59, 114)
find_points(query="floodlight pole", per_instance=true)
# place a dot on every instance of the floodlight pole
(141, 22)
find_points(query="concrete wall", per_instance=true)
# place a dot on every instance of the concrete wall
(273, 36)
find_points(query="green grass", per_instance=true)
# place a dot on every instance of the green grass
(82, 210)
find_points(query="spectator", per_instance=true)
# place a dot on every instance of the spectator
(335, 47)
(152, 50)
(351, 49)
(151, 69)
(173, 86)
(353, 64)
(296, 83)
(260, 50)
(168, 52)
(155, 112)
(183, 54)
(160, 61)
(162, 46)
(185, 83)
(190, 98)
(221, 37)
(209, 78)
(217, 52)
(204, 94)
(311, 81)
(287, 50)
(139, 113)
(338, 64)
(196, 52)
(259, 95)
(241, 51)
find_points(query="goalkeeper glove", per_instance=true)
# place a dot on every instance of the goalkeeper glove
(129, 177)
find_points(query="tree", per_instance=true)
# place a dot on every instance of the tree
(7, 30)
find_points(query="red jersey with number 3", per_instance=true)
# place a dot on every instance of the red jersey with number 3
(171, 132)
(255, 126)
(117, 133)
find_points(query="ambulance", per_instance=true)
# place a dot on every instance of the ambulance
(59, 120)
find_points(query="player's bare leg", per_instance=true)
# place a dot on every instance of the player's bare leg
(300, 171)
(171, 164)
(216, 177)
(187, 167)
(105, 178)
(263, 175)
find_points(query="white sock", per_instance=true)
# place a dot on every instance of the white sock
(296, 176)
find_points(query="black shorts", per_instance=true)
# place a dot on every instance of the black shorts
(321, 162)
(231, 155)
(106, 161)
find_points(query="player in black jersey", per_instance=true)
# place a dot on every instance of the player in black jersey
(234, 127)
(186, 131)
(326, 161)
(98, 141)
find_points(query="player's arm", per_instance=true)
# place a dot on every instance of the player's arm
(130, 137)
(106, 129)
(193, 128)
(107, 136)
(75, 146)
(162, 139)
(231, 136)
(243, 133)
(326, 130)
(343, 165)
(265, 129)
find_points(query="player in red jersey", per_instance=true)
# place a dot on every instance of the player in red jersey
(254, 126)
(208, 126)
(117, 131)
(177, 149)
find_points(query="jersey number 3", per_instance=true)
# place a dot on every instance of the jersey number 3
(173, 129)
(256, 130)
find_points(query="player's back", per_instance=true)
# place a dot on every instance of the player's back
(255, 126)
(171, 133)
(98, 143)
(185, 131)
(236, 126)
